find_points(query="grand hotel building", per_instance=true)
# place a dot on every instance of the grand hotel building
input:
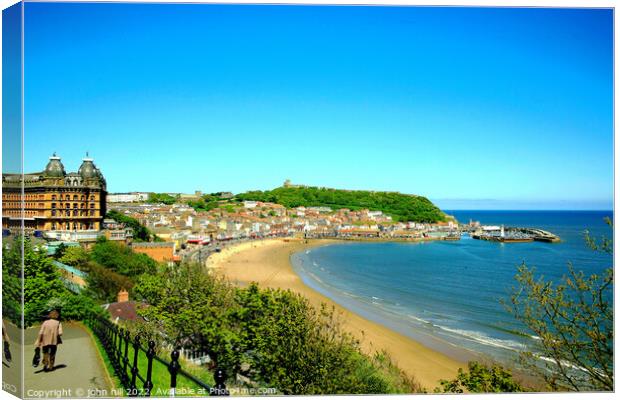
(55, 201)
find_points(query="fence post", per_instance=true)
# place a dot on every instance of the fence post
(220, 386)
(150, 353)
(174, 368)
(133, 389)
(126, 358)
(113, 347)
(119, 351)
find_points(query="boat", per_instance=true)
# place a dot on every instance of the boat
(452, 237)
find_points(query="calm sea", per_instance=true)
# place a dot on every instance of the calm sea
(447, 294)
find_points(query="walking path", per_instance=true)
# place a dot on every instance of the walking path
(79, 369)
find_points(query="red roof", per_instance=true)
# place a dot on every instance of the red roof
(126, 310)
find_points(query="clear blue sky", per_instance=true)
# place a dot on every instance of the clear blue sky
(474, 108)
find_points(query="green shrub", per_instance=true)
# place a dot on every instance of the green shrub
(103, 283)
(140, 232)
(121, 259)
(43, 288)
(273, 337)
(481, 379)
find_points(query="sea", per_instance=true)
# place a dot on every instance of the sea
(449, 295)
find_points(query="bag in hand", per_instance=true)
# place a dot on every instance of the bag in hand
(37, 357)
(7, 352)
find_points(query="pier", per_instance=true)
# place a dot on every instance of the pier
(514, 235)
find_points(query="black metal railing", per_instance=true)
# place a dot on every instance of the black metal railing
(117, 342)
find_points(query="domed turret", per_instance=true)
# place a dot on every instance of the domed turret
(87, 169)
(54, 168)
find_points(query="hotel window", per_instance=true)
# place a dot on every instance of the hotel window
(92, 197)
(75, 213)
(68, 213)
(68, 197)
(92, 212)
(53, 205)
(67, 205)
(53, 226)
(83, 197)
(92, 205)
(53, 213)
(68, 225)
(75, 197)
(74, 205)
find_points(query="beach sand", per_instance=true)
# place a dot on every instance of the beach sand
(267, 262)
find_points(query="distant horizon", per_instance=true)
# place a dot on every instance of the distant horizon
(508, 107)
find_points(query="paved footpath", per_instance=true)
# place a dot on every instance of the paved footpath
(79, 369)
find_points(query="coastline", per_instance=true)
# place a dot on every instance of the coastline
(267, 262)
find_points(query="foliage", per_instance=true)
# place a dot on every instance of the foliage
(60, 250)
(104, 284)
(110, 266)
(274, 337)
(11, 280)
(140, 232)
(165, 198)
(43, 288)
(74, 256)
(203, 204)
(41, 283)
(574, 321)
(301, 350)
(76, 307)
(481, 379)
(121, 259)
(401, 207)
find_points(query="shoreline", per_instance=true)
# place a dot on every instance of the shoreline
(267, 262)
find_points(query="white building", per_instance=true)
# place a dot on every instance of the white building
(127, 197)
(374, 214)
(250, 204)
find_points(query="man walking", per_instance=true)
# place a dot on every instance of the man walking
(48, 339)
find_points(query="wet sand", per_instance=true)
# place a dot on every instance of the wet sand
(268, 263)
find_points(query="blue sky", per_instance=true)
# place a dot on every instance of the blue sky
(485, 108)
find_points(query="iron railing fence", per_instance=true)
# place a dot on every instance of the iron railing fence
(117, 342)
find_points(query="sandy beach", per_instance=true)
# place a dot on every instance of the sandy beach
(268, 263)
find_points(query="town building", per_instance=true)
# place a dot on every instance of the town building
(158, 251)
(55, 202)
(124, 310)
(127, 197)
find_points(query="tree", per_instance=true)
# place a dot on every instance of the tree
(104, 284)
(41, 283)
(140, 232)
(162, 198)
(573, 321)
(273, 337)
(60, 250)
(481, 379)
(11, 280)
(121, 259)
(75, 256)
(401, 207)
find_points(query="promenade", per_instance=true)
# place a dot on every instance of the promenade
(79, 369)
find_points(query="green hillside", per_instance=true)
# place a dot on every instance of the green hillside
(402, 207)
